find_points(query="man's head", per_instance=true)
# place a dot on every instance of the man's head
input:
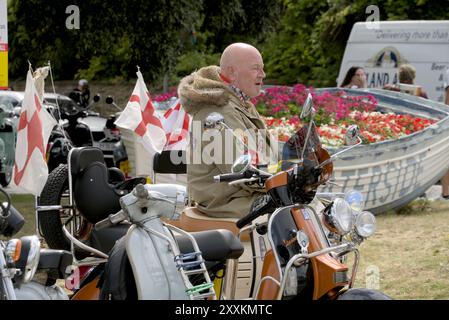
(242, 64)
(407, 74)
(83, 84)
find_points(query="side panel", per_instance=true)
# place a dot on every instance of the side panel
(153, 264)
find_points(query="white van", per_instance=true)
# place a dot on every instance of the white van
(423, 44)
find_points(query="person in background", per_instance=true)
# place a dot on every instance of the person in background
(81, 94)
(407, 75)
(355, 78)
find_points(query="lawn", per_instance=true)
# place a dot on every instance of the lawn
(407, 258)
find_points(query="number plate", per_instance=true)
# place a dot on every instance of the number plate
(106, 146)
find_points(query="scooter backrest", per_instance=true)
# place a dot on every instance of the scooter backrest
(170, 161)
(94, 196)
(81, 158)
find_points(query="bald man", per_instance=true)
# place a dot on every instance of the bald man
(226, 89)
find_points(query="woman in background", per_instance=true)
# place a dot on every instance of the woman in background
(355, 78)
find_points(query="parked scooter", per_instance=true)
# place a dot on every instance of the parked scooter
(82, 127)
(28, 272)
(137, 255)
(8, 136)
(292, 251)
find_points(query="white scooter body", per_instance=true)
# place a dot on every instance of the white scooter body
(148, 242)
(151, 255)
(37, 291)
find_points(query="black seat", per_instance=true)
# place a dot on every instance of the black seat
(104, 239)
(94, 195)
(215, 245)
(170, 161)
(55, 263)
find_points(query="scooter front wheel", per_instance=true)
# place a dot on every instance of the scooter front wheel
(363, 294)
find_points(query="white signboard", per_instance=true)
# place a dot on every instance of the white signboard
(423, 44)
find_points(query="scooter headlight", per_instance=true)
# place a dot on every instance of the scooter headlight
(339, 217)
(28, 258)
(365, 224)
(355, 200)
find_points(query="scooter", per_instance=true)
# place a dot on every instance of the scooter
(8, 135)
(83, 127)
(133, 254)
(28, 272)
(292, 250)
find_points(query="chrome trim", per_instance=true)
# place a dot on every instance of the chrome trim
(260, 283)
(53, 207)
(74, 241)
(6, 276)
(304, 257)
(270, 239)
(175, 249)
(354, 267)
(72, 222)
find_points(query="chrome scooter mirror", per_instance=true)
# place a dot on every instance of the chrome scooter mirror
(307, 107)
(352, 138)
(352, 135)
(214, 121)
(241, 164)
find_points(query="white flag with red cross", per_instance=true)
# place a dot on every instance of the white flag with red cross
(139, 116)
(176, 123)
(35, 126)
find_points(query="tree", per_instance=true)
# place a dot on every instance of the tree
(113, 38)
(309, 42)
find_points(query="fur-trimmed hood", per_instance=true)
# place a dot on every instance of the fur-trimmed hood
(204, 88)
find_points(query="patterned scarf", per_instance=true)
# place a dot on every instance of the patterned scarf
(240, 94)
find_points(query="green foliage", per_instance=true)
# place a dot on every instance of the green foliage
(113, 38)
(308, 45)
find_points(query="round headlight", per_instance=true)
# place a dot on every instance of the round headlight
(365, 224)
(339, 218)
(355, 199)
(29, 257)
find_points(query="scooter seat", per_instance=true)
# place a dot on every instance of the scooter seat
(215, 245)
(54, 262)
(104, 239)
(192, 220)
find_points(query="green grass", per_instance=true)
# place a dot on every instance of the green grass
(410, 249)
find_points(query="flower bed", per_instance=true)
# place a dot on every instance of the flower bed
(280, 107)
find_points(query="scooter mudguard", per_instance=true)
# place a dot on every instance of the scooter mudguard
(153, 264)
(36, 291)
(363, 294)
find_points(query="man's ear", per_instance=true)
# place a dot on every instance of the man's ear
(231, 73)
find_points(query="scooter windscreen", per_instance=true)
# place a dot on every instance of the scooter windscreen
(299, 146)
